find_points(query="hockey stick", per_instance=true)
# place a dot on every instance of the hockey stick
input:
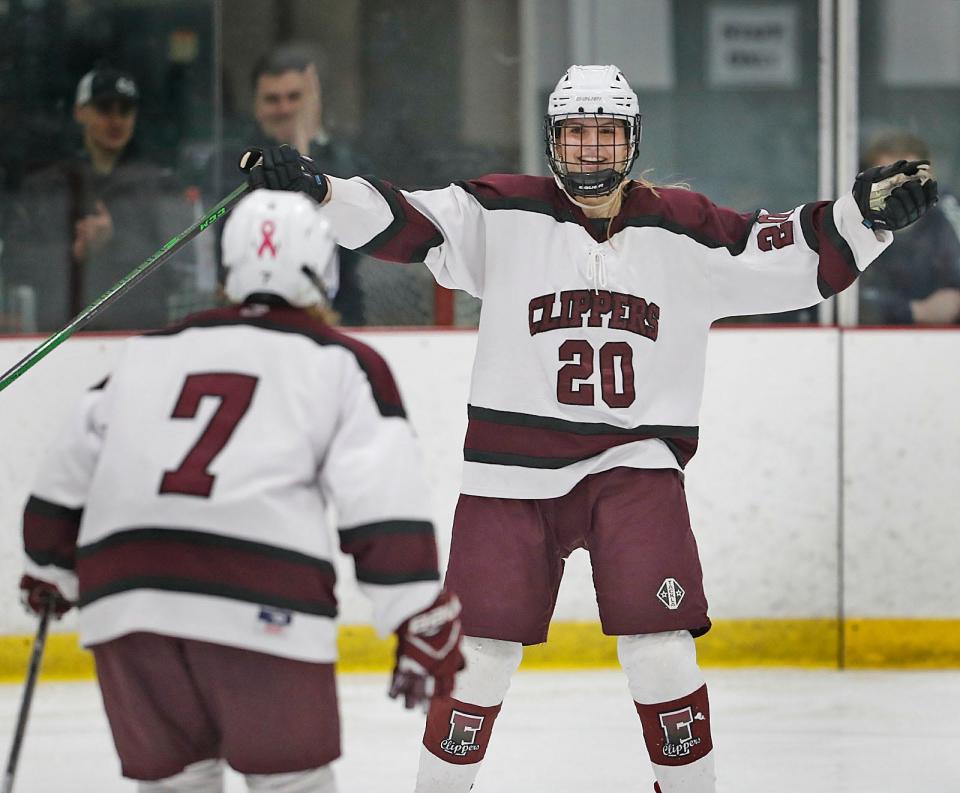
(36, 654)
(122, 286)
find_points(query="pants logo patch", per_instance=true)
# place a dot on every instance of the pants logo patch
(671, 593)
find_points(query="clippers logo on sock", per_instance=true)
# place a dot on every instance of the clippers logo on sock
(463, 734)
(678, 729)
(458, 732)
(677, 732)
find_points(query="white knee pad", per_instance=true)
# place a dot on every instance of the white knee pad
(490, 665)
(203, 777)
(660, 666)
(316, 780)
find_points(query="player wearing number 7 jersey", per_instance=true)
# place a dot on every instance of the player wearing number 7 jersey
(598, 293)
(184, 511)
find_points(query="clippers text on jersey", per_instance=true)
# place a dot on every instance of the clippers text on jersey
(577, 308)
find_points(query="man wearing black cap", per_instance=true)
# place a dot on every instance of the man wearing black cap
(83, 223)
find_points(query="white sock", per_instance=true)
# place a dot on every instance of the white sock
(698, 777)
(436, 776)
(203, 777)
(483, 683)
(665, 680)
(314, 780)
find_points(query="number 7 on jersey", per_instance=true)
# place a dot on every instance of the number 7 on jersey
(235, 392)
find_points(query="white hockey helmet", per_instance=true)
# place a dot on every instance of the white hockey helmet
(277, 242)
(597, 92)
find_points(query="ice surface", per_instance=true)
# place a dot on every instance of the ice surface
(775, 731)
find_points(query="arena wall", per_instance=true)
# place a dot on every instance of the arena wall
(792, 577)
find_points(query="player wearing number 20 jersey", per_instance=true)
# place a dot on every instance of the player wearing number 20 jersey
(593, 333)
(584, 403)
(597, 297)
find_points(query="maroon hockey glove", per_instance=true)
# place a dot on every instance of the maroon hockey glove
(284, 168)
(34, 594)
(428, 653)
(891, 197)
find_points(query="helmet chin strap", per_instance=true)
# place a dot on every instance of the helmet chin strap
(314, 279)
(614, 194)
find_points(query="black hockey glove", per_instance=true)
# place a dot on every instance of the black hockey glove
(284, 168)
(891, 197)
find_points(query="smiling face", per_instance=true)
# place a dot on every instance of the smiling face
(280, 102)
(597, 146)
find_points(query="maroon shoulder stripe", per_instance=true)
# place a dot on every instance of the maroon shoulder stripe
(535, 194)
(711, 236)
(689, 214)
(287, 319)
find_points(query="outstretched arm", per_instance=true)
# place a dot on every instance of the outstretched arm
(794, 259)
(442, 228)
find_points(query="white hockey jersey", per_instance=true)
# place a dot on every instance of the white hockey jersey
(593, 334)
(187, 497)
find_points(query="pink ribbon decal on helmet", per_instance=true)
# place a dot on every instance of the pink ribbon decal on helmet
(267, 228)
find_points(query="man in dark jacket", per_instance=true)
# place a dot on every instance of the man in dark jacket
(288, 108)
(917, 279)
(81, 224)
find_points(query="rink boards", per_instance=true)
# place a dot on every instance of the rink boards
(785, 565)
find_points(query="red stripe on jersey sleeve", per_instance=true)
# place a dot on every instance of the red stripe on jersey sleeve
(50, 532)
(411, 234)
(393, 552)
(837, 268)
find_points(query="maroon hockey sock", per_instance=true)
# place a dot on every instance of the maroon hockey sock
(677, 732)
(458, 732)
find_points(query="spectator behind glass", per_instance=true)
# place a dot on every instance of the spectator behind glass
(81, 224)
(917, 279)
(288, 108)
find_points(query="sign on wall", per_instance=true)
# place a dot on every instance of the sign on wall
(918, 43)
(637, 35)
(753, 46)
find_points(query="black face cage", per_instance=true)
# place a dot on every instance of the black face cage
(590, 183)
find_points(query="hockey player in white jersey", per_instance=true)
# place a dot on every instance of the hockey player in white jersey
(598, 294)
(183, 511)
